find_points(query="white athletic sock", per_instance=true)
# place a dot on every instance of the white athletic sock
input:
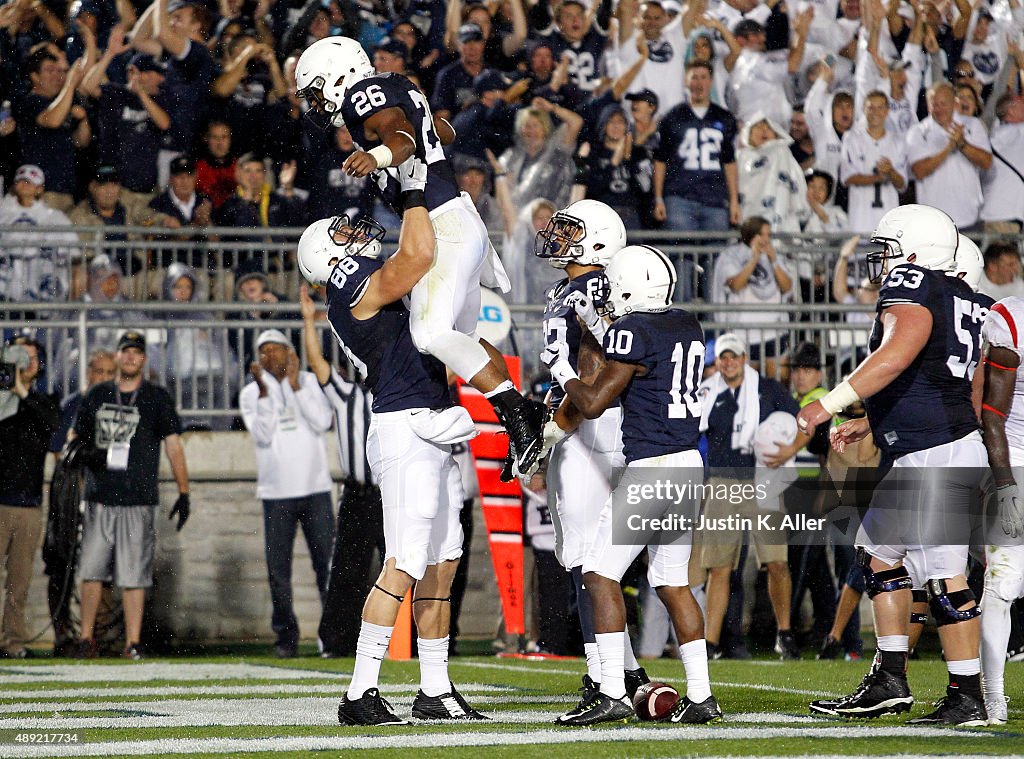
(593, 661)
(964, 667)
(629, 658)
(370, 650)
(995, 632)
(506, 385)
(609, 646)
(893, 642)
(695, 663)
(433, 655)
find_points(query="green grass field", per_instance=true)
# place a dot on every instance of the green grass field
(258, 706)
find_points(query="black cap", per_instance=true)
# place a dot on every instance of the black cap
(747, 26)
(393, 46)
(644, 96)
(132, 339)
(107, 173)
(488, 80)
(144, 62)
(470, 32)
(805, 355)
(183, 165)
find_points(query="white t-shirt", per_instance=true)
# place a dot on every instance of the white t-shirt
(761, 288)
(663, 72)
(902, 112)
(861, 153)
(998, 292)
(1002, 188)
(955, 186)
(35, 266)
(288, 429)
(1004, 328)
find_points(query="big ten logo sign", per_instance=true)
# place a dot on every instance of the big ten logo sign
(494, 321)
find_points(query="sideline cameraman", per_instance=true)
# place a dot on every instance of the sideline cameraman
(27, 420)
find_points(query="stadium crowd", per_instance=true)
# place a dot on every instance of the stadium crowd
(760, 117)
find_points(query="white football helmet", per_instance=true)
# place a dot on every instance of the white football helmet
(326, 70)
(640, 278)
(970, 263)
(587, 232)
(924, 232)
(327, 241)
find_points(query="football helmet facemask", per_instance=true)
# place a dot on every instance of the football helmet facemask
(327, 241)
(922, 233)
(326, 70)
(587, 232)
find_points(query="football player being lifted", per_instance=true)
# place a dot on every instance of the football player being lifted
(408, 447)
(917, 388)
(391, 122)
(583, 469)
(655, 359)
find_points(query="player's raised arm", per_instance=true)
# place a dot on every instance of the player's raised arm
(415, 254)
(395, 133)
(593, 400)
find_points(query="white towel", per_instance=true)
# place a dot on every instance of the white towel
(748, 415)
(453, 425)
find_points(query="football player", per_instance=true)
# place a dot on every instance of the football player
(391, 122)
(655, 359)
(916, 386)
(409, 449)
(1002, 415)
(583, 469)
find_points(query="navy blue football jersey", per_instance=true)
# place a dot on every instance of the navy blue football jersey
(660, 410)
(381, 347)
(585, 56)
(560, 323)
(694, 151)
(382, 91)
(929, 403)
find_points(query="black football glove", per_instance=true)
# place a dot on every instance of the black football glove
(183, 508)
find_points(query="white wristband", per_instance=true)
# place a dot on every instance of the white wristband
(562, 372)
(382, 155)
(841, 396)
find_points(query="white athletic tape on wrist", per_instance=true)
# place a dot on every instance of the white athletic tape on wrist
(382, 155)
(562, 372)
(841, 396)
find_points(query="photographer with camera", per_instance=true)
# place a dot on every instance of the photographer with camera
(121, 424)
(27, 420)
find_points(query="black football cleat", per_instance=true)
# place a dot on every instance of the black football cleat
(587, 691)
(450, 706)
(825, 706)
(371, 709)
(955, 708)
(508, 466)
(595, 710)
(880, 692)
(786, 647)
(525, 426)
(830, 649)
(634, 679)
(686, 712)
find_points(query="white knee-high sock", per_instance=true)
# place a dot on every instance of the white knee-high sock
(593, 661)
(370, 650)
(629, 658)
(695, 663)
(995, 632)
(609, 646)
(433, 654)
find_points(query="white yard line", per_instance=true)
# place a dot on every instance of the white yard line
(714, 683)
(156, 691)
(167, 747)
(133, 672)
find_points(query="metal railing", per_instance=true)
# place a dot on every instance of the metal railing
(201, 350)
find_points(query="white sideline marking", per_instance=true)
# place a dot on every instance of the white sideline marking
(142, 671)
(165, 747)
(285, 689)
(714, 683)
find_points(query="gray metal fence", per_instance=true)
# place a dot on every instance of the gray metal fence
(201, 351)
